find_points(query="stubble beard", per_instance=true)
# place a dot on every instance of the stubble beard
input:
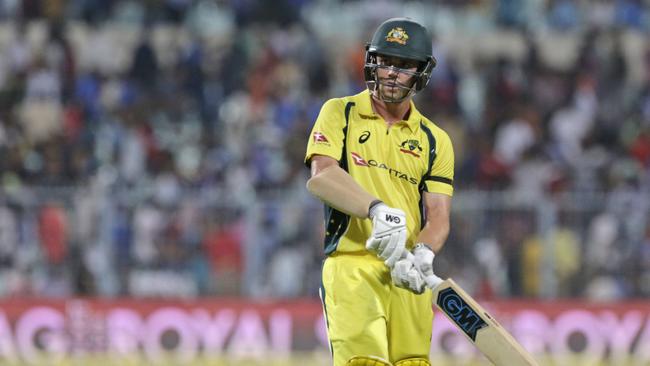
(392, 92)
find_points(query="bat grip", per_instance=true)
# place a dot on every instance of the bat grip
(432, 281)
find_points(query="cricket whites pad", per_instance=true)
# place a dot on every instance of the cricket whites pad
(413, 362)
(367, 361)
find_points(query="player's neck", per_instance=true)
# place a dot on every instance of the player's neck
(391, 112)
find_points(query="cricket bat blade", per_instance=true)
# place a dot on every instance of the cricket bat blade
(479, 326)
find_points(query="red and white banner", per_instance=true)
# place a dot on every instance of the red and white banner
(33, 329)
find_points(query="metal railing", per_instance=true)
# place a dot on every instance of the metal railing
(108, 242)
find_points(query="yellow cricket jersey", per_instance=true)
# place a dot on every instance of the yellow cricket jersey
(395, 164)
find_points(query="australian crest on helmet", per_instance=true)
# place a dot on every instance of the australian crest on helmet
(397, 35)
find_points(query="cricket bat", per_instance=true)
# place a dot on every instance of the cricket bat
(477, 324)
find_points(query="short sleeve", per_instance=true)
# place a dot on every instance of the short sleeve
(327, 135)
(441, 175)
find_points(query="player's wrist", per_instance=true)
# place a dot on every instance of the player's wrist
(422, 246)
(372, 208)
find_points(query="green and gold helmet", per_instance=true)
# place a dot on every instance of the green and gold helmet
(406, 39)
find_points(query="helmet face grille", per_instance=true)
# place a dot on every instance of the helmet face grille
(406, 39)
(421, 78)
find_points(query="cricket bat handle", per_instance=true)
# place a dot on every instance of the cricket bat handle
(432, 281)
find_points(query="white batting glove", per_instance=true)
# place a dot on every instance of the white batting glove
(388, 237)
(423, 261)
(405, 275)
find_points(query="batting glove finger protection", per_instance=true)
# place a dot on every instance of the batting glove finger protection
(405, 275)
(395, 254)
(423, 261)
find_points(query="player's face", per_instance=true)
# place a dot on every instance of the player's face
(395, 76)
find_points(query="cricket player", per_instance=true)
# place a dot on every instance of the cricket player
(385, 174)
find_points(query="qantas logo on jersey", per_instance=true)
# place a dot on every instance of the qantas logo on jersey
(319, 137)
(358, 160)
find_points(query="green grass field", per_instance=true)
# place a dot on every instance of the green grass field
(311, 359)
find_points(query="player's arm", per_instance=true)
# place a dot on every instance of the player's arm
(339, 190)
(433, 235)
(437, 205)
(335, 186)
(436, 227)
(416, 269)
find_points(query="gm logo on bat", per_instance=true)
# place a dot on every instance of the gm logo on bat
(460, 312)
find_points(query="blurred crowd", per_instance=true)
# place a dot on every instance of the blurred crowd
(155, 148)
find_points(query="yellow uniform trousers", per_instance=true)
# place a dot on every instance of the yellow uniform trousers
(368, 316)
